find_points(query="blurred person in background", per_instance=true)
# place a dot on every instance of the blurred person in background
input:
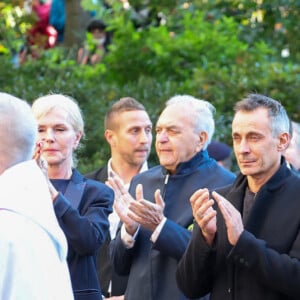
(95, 46)
(221, 152)
(41, 35)
(57, 18)
(292, 153)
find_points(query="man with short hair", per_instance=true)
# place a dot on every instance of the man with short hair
(128, 130)
(156, 231)
(33, 248)
(246, 240)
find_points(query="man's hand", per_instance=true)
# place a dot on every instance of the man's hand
(232, 217)
(204, 214)
(121, 203)
(147, 214)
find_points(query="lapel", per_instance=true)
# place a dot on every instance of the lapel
(102, 174)
(267, 204)
(237, 192)
(75, 189)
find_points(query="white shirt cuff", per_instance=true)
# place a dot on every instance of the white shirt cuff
(128, 239)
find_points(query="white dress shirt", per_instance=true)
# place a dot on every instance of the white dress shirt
(113, 218)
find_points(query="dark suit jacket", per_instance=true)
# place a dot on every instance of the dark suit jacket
(151, 266)
(82, 212)
(264, 264)
(104, 266)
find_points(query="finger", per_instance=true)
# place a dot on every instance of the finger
(37, 153)
(108, 184)
(207, 217)
(140, 208)
(201, 201)
(224, 205)
(120, 184)
(136, 218)
(112, 183)
(158, 198)
(204, 209)
(197, 195)
(139, 195)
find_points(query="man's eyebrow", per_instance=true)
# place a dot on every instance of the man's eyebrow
(168, 126)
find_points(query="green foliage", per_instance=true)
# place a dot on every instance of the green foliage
(217, 53)
(12, 28)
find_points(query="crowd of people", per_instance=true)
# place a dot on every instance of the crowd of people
(187, 228)
(48, 31)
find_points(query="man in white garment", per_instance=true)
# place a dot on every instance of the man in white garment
(33, 248)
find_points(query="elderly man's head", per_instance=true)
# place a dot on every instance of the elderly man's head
(18, 131)
(184, 128)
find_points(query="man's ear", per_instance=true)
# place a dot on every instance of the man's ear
(284, 140)
(110, 137)
(203, 137)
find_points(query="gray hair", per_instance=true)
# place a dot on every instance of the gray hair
(47, 103)
(279, 120)
(204, 112)
(18, 131)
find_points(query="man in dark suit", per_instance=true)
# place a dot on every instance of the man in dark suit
(128, 130)
(156, 231)
(247, 244)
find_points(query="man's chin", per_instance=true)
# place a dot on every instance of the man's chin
(140, 160)
(247, 171)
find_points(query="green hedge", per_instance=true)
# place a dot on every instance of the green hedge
(189, 55)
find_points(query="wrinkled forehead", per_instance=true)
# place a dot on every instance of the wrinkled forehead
(176, 114)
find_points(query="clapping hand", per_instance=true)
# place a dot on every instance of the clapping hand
(204, 214)
(232, 217)
(136, 212)
(121, 203)
(147, 214)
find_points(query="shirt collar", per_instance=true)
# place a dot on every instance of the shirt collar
(111, 171)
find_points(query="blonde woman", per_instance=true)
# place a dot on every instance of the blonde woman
(81, 205)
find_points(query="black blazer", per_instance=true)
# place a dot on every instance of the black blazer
(104, 267)
(265, 262)
(82, 211)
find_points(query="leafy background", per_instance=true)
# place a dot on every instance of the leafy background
(214, 50)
